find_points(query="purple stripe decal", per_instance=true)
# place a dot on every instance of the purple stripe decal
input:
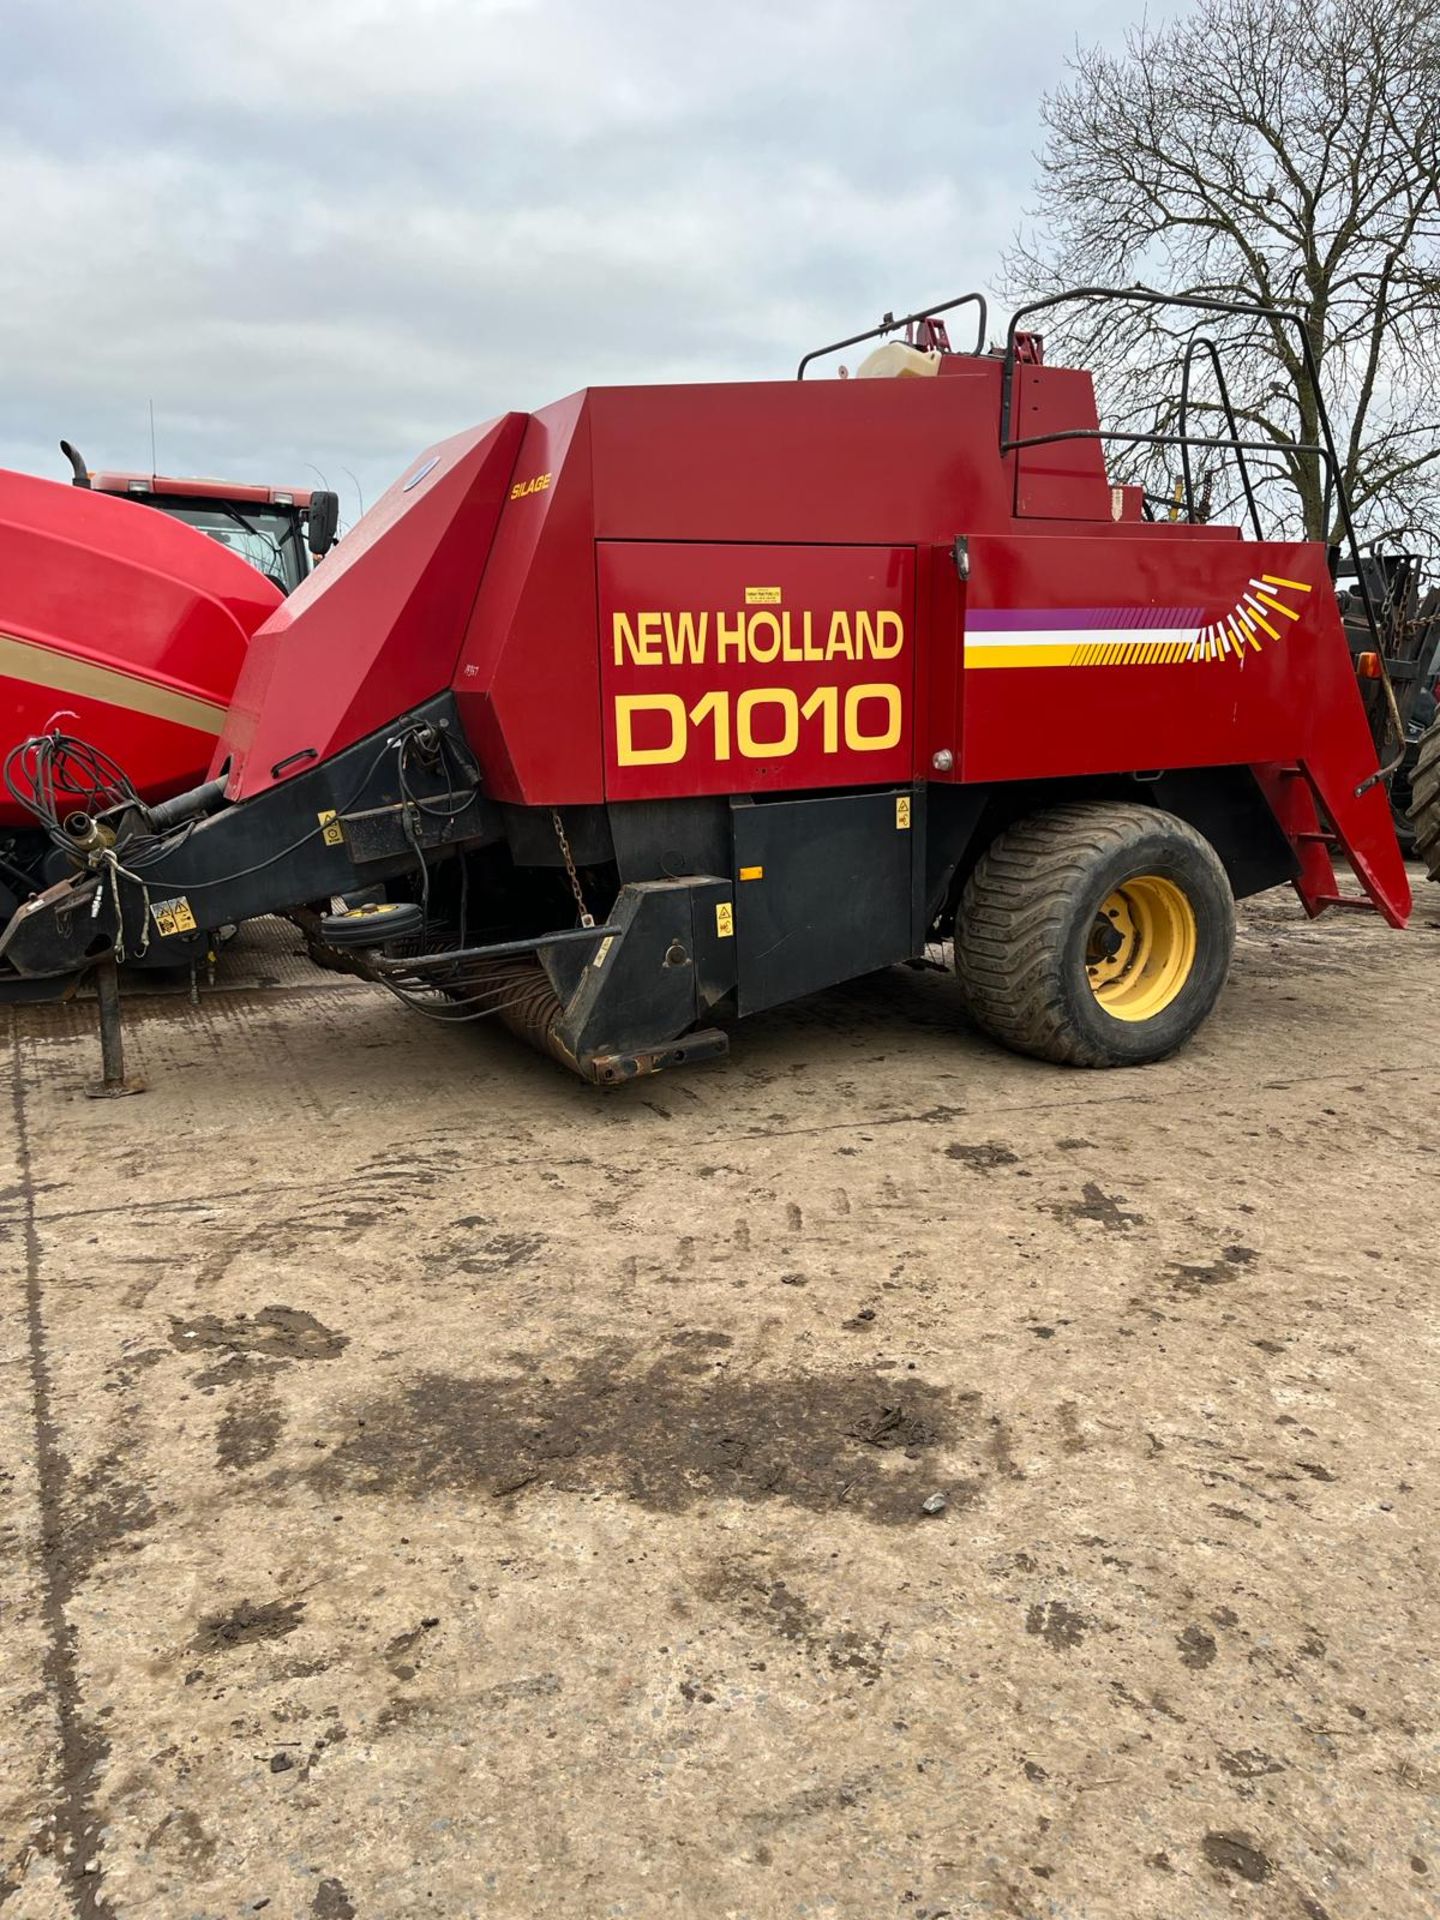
(1079, 619)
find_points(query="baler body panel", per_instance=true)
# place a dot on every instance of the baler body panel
(1079, 655)
(377, 628)
(528, 677)
(120, 625)
(842, 862)
(1065, 480)
(853, 463)
(1082, 654)
(752, 669)
(686, 471)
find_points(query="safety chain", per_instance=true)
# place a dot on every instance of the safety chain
(587, 919)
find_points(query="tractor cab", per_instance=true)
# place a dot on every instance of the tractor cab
(281, 532)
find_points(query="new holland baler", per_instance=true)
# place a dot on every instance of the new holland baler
(667, 704)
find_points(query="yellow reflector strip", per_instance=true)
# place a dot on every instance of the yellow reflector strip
(1278, 605)
(1260, 619)
(1274, 580)
(752, 873)
(1060, 653)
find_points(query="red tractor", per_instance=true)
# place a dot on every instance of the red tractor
(281, 531)
(667, 704)
(126, 629)
(122, 633)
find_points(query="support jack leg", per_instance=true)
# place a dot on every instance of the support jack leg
(113, 1084)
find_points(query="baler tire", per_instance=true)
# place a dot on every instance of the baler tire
(1424, 809)
(1025, 932)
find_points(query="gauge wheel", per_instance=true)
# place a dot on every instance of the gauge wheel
(1425, 800)
(1096, 934)
(372, 923)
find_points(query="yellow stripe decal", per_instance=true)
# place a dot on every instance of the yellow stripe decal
(63, 673)
(1260, 619)
(1278, 605)
(1232, 635)
(1064, 653)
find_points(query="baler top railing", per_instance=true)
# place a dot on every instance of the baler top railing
(1186, 367)
(1323, 449)
(891, 325)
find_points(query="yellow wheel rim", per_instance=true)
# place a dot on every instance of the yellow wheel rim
(1141, 948)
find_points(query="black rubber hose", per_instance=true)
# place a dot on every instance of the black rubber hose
(186, 806)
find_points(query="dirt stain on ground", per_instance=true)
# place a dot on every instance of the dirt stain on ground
(1237, 1853)
(1056, 1624)
(1249, 1763)
(102, 1505)
(999, 1449)
(502, 1252)
(982, 1157)
(1072, 1438)
(901, 1426)
(1097, 1205)
(1194, 1279)
(664, 1436)
(181, 1835)
(402, 1654)
(287, 1332)
(843, 1796)
(250, 1427)
(1197, 1647)
(239, 1625)
(774, 1607)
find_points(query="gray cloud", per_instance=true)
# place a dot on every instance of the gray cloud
(333, 233)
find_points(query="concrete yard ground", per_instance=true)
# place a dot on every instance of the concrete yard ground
(433, 1486)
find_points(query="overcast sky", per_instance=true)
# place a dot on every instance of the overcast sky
(331, 232)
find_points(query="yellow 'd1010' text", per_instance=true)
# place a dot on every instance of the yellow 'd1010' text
(762, 634)
(760, 723)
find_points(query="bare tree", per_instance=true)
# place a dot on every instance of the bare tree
(1285, 152)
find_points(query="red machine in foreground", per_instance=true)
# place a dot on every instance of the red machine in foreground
(667, 703)
(118, 627)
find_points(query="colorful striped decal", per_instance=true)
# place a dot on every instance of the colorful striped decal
(1129, 636)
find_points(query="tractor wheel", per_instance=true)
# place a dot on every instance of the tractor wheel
(1425, 800)
(1097, 934)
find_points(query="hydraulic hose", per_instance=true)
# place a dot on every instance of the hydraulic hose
(185, 806)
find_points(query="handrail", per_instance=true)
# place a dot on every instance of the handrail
(890, 325)
(1202, 340)
(1325, 449)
